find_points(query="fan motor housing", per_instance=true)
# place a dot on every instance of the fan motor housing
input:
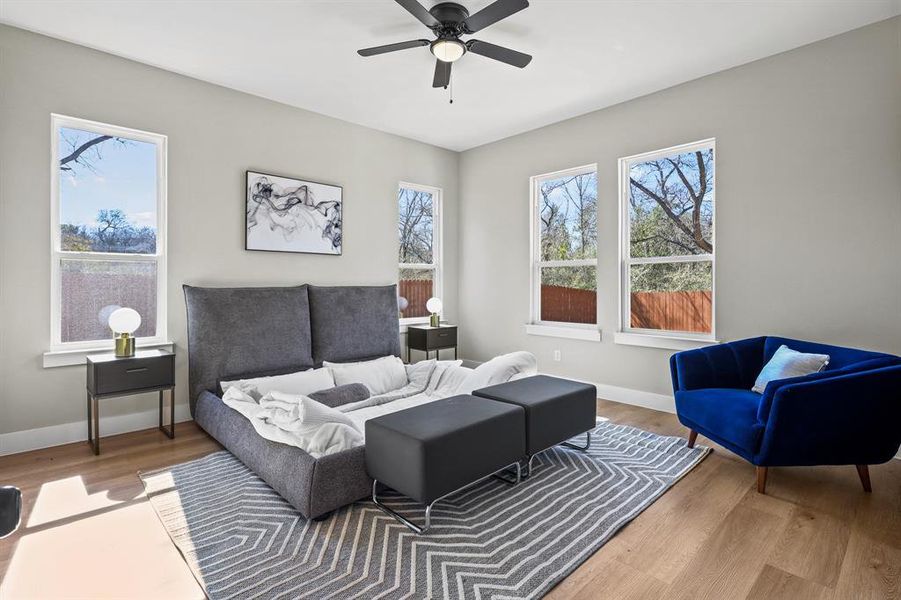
(450, 14)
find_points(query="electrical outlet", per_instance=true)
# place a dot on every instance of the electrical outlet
(557, 355)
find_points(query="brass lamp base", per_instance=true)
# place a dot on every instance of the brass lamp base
(434, 320)
(125, 346)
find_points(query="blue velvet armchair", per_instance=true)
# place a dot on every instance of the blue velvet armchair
(847, 414)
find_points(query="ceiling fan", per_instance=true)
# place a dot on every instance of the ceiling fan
(448, 21)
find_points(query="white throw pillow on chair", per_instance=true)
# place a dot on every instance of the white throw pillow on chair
(787, 363)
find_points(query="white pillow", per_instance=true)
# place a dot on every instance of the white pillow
(381, 375)
(787, 363)
(301, 383)
(419, 373)
(499, 369)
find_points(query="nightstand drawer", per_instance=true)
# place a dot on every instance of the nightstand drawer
(128, 375)
(444, 337)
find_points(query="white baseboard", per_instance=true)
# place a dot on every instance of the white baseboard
(660, 402)
(67, 433)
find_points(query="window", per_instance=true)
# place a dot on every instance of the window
(666, 220)
(565, 247)
(108, 239)
(419, 252)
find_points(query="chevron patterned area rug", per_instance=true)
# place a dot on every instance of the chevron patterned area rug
(242, 540)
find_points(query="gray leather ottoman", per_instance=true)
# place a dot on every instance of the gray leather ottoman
(556, 410)
(430, 451)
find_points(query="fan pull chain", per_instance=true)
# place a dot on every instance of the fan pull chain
(452, 91)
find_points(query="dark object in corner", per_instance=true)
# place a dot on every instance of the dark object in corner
(10, 509)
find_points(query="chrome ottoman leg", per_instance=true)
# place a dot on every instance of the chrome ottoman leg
(583, 448)
(428, 509)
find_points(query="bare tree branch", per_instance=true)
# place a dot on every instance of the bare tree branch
(77, 152)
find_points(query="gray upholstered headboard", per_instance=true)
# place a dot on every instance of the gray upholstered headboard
(234, 331)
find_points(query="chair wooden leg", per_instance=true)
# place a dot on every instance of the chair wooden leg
(761, 480)
(692, 437)
(864, 472)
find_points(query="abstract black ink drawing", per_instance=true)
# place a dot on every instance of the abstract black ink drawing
(292, 215)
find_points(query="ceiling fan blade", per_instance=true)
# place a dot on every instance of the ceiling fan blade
(505, 55)
(442, 74)
(419, 11)
(392, 47)
(493, 13)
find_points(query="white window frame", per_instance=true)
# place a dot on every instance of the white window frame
(536, 326)
(63, 353)
(674, 340)
(437, 264)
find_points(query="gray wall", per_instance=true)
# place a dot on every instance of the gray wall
(808, 206)
(214, 135)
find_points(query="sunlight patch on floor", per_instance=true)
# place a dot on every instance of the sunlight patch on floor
(66, 498)
(120, 553)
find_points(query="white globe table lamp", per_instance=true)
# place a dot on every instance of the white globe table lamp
(124, 322)
(434, 306)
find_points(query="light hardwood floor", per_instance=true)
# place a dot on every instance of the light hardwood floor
(88, 532)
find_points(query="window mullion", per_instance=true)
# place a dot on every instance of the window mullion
(581, 262)
(652, 260)
(107, 257)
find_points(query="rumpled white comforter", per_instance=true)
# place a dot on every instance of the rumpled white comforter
(296, 420)
(320, 430)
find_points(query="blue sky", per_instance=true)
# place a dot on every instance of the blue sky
(124, 177)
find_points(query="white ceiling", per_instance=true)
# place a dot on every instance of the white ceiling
(588, 53)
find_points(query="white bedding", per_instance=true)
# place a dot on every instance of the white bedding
(296, 420)
(319, 430)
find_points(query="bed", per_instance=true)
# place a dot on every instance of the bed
(234, 332)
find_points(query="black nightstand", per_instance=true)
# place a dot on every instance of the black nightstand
(427, 338)
(146, 371)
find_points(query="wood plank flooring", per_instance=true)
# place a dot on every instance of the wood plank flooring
(814, 535)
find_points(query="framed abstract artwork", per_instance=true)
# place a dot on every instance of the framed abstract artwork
(284, 214)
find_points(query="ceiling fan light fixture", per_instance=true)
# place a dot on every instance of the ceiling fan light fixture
(448, 50)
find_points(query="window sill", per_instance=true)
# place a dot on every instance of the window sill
(665, 342)
(412, 321)
(573, 332)
(68, 358)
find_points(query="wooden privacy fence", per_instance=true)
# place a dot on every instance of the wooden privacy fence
(568, 305)
(84, 295)
(668, 311)
(672, 311)
(417, 292)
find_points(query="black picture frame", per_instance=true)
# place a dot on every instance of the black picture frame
(288, 214)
